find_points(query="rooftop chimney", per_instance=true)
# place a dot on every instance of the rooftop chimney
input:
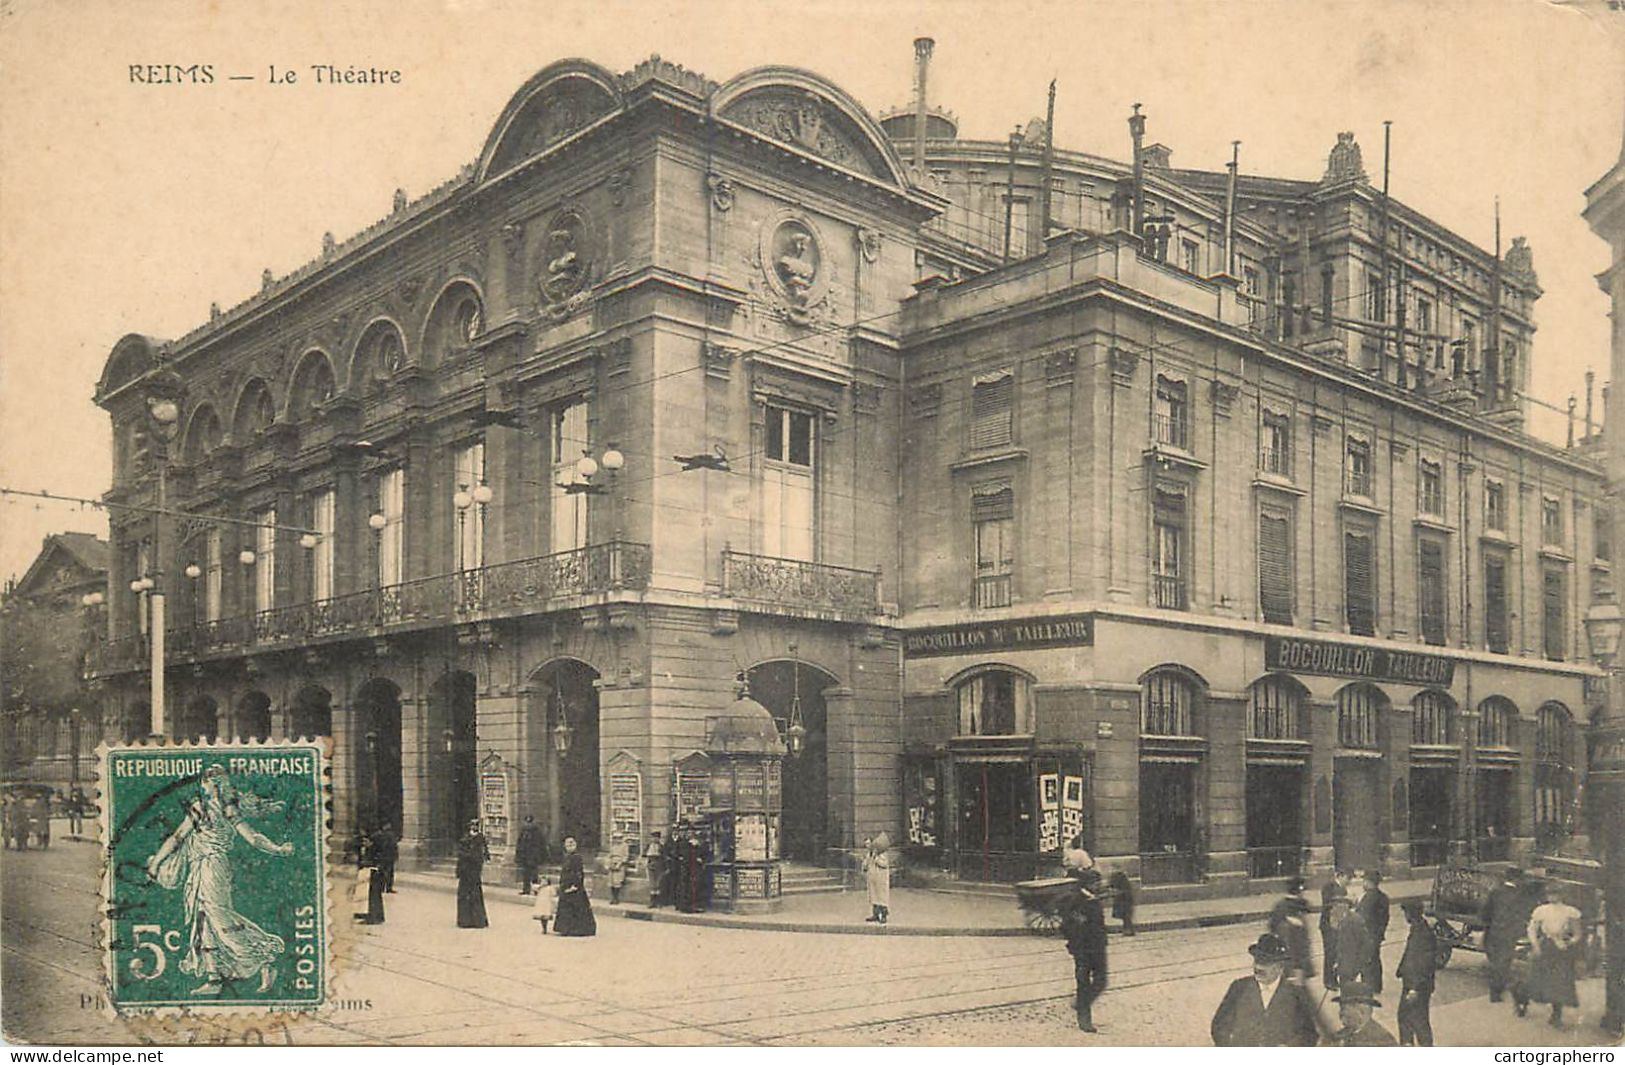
(922, 63)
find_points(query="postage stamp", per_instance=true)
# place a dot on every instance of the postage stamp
(214, 876)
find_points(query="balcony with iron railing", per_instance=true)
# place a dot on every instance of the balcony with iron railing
(1168, 591)
(1357, 483)
(815, 587)
(992, 590)
(1275, 460)
(508, 589)
(1171, 430)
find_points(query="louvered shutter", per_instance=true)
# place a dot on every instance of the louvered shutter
(1552, 613)
(1430, 571)
(1275, 568)
(1495, 605)
(991, 405)
(1358, 584)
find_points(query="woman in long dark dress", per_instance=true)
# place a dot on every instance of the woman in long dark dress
(472, 854)
(368, 860)
(574, 916)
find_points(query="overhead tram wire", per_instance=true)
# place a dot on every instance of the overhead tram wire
(140, 508)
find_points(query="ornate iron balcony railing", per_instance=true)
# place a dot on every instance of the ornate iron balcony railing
(795, 583)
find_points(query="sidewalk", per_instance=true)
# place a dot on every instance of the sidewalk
(919, 912)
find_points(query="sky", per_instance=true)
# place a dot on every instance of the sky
(128, 207)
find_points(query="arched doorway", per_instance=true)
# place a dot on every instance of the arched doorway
(200, 720)
(805, 832)
(379, 785)
(312, 712)
(574, 796)
(254, 716)
(454, 706)
(1359, 790)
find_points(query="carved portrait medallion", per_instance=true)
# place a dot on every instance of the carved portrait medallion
(565, 261)
(792, 257)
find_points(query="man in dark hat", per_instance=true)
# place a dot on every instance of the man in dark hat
(530, 853)
(1416, 969)
(386, 850)
(1084, 925)
(1348, 952)
(1355, 1002)
(1505, 918)
(1337, 885)
(1289, 922)
(1374, 911)
(1265, 1009)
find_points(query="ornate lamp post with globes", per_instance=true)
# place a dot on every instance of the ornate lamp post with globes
(162, 396)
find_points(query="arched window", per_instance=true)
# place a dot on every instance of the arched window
(1495, 717)
(456, 320)
(1168, 700)
(379, 356)
(995, 702)
(1359, 713)
(203, 435)
(1432, 722)
(1276, 710)
(255, 411)
(312, 386)
(1553, 734)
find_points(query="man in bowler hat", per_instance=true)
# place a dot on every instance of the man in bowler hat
(1265, 1009)
(1084, 924)
(1355, 1002)
(1416, 969)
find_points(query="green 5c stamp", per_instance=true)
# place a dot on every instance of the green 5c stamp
(215, 874)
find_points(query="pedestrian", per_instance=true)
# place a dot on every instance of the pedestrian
(1554, 939)
(529, 852)
(1084, 925)
(672, 853)
(574, 913)
(1122, 891)
(1355, 1002)
(1416, 974)
(368, 862)
(547, 897)
(617, 871)
(1266, 1009)
(1074, 859)
(386, 848)
(1348, 952)
(472, 854)
(1337, 885)
(1505, 920)
(1375, 912)
(76, 812)
(655, 866)
(877, 875)
(1289, 922)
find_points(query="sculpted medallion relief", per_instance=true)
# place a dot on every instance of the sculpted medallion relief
(564, 264)
(791, 257)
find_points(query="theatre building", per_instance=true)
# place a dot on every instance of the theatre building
(1200, 520)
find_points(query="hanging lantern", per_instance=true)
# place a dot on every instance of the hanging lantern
(562, 732)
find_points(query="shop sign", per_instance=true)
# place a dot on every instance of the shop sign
(1608, 753)
(1291, 655)
(1070, 630)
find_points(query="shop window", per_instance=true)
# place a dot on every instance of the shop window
(1276, 710)
(1357, 479)
(1431, 598)
(1495, 602)
(992, 409)
(1495, 506)
(1495, 718)
(1168, 704)
(1554, 774)
(1359, 582)
(1554, 612)
(1168, 827)
(1170, 418)
(1432, 719)
(567, 443)
(788, 484)
(1275, 591)
(993, 523)
(1359, 714)
(996, 702)
(1170, 532)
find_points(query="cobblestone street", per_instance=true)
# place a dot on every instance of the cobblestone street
(419, 979)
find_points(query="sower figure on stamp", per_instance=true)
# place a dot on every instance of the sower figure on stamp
(1084, 925)
(1416, 973)
(221, 944)
(529, 852)
(386, 849)
(472, 854)
(1266, 1009)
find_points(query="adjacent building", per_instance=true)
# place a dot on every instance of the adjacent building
(1200, 520)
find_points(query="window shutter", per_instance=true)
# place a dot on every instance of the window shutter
(1495, 605)
(993, 503)
(991, 405)
(1552, 613)
(1275, 568)
(1430, 567)
(1358, 583)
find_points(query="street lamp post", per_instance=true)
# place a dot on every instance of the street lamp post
(164, 413)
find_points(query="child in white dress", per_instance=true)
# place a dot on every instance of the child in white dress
(547, 897)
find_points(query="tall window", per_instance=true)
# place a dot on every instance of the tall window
(1359, 709)
(1168, 704)
(1190, 256)
(1495, 603)
(1495, 506)
(265, 559)
(1169, 536)
(1328, 276)
(993, 521)
(468, 475)
(1551, 521)
(1357, 480)
(213, 575)
(995, 703)
(1275, 445)
(1170, 420)
(1554, 771)
(1554, 612)
(1276, 711)
(1253, 289)
(391, 538)
(992, 401)
(1431, 721)
(1430, 483)
(1469, 340)
(1359, 582)
(568, 442)
(1424, 317)
(1275, 593)
(1430, 581)
(1373, 296)
(322, 515)
(1602, 531)
(1495, 717)
(787, 484)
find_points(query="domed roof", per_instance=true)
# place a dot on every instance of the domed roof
(744, 727)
